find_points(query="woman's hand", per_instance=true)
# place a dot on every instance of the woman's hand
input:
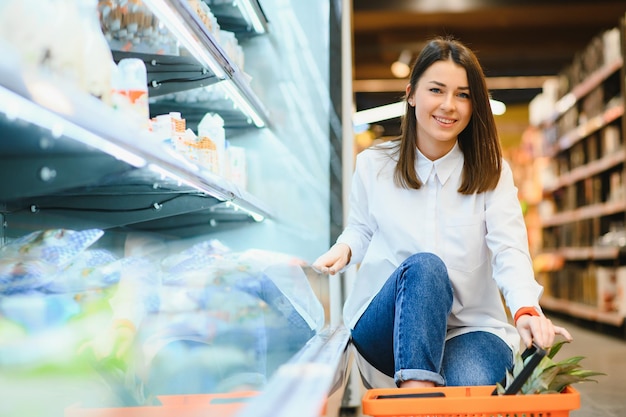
(334, 260)
(540, 329)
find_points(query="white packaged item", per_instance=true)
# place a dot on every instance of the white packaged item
(212, 127)
(130, 91)
(61, 38)
(97, 56)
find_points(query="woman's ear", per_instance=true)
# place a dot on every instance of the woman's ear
(409, 97)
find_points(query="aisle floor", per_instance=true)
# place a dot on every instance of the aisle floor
(604, 349)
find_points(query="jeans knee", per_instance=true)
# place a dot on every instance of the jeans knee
(428, 269)
(426, 260)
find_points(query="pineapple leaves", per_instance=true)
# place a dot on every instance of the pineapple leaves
(549, 376)
(555, 348)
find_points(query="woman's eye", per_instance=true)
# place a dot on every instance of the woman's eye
(435, 90)
(464, 95)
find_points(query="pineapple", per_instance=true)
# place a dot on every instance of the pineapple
(549, 376)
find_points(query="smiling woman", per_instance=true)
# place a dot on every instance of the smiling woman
(437, 230)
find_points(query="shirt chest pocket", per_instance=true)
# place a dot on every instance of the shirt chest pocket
(464, 243)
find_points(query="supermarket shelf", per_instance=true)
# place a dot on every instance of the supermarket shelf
(186, 25)
(585, 253)
(580, 310)
(170, 74)
(593, 168)
(585, 212)
(107, 207)
(244, 17)
(86, 144)
(193, 113)
(217, 217)
(35, 163)
(585, 129)
(584, 88)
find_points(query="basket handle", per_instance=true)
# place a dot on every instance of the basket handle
(538, 354)
(434, 394)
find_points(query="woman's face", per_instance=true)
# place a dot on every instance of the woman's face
(443, 107)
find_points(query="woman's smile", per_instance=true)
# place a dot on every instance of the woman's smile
(444, 121)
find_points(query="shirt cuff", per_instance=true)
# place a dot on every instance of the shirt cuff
(525, 311)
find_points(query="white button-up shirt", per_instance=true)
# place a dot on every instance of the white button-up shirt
(481, 238)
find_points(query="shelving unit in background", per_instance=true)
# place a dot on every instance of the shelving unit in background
(581, 261)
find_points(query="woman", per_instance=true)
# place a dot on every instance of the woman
(437, 230)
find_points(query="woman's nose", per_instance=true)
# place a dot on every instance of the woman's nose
(448, 102)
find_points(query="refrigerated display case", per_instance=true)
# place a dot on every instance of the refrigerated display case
(135, 276)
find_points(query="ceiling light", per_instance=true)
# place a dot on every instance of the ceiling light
(498, 108)
(400, 68)
(376, 114)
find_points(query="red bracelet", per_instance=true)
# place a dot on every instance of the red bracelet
(530, 311)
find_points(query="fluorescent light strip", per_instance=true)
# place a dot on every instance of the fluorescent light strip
(168, 174)
(251, 15)
(17, 107)
(377, 114)
(233, 206)
(235, 95)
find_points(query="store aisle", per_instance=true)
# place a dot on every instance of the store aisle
(604, 350)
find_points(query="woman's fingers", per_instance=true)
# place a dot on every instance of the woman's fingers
(541, 330)
(526, 335)
(563, 332)
(334, 260)
(326, 265)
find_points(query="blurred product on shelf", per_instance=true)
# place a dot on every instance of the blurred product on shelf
(45, 38)
(31, 262)
(155, 320)
(611, 289)
(211, 131)
(602, 51)
(130, 91)
(207, 17)
(209, 149)
(231, 47)
(131, 27)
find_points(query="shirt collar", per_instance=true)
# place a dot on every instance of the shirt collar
(443, 166)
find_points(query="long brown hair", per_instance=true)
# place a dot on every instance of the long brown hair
(478, 141)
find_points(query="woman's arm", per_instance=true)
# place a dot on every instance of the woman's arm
(352, 244)
(507, 239)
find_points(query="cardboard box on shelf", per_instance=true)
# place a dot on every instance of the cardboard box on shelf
(612, 290)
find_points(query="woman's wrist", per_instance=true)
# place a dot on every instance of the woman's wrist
(525, 311)
(346, 249)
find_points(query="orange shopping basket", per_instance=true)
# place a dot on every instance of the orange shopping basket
(479, 401)
(186, 405)
(466, 402)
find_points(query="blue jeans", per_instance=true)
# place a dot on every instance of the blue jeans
(403, 331)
